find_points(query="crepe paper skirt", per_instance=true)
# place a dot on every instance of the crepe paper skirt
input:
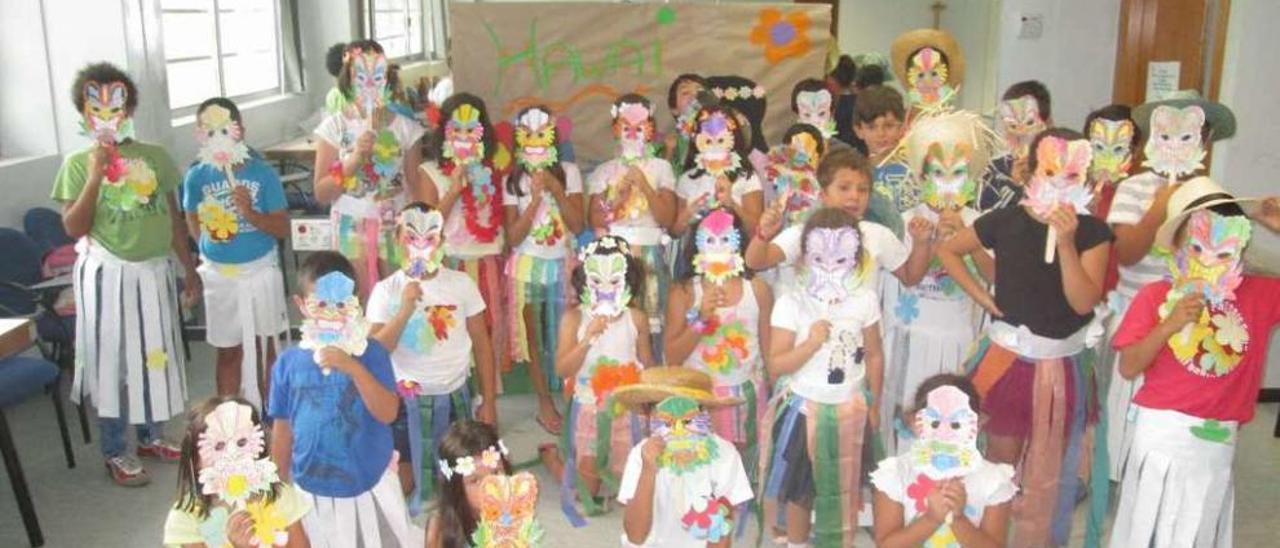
(364, 234)
(587, 431)
(1120, 393)
(418, 430)
(487, 272)
(375, 518)
(543, 285)
(245, 306)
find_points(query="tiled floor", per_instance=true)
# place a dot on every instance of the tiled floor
(81, 507)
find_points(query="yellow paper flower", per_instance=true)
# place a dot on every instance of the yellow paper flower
(269, 527)
(140, 179)
(157, 359)
(1186, 343)
(219, 223)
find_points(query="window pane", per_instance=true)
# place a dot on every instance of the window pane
(388, 24)
(415, 35)
(388, 5)
(166, 5)
(188, 35)
(251, 73)
(191, 82)
(248, 31)
(393, 47)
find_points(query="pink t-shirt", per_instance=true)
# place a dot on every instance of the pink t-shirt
(1169, 384)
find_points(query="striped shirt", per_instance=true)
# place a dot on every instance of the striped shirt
(1133, 198)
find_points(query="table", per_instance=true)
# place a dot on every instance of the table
(300, 151)
(16, 335)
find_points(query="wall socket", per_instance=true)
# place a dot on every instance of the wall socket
(1031, 26)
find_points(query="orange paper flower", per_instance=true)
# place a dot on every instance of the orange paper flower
(610, 375)
(782, 36)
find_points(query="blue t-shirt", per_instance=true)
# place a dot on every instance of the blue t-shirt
(339, 448)
(224, 236)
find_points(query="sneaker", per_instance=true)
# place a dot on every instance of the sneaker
(160, 450)
(127, 472)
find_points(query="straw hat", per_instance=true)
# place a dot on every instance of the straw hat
(659, 383)
(909, 42)
(1194, 195)
(1218, 115)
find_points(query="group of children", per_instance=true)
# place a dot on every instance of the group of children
(822, 305)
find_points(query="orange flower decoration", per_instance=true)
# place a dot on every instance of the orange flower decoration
(782, 36)
(609, 375)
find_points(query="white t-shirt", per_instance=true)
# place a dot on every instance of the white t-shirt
(885, 249)
(458, 240)
(435, 348)
(616, 345)
(1133, 198)
(640, 228)
(937, 304)
(342, 132)
(689, 188)
(988, 485)
(674, 495)
(549, 237)
(795, 311)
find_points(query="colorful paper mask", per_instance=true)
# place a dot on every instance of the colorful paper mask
(814, 108)
(490, 459)
(1062, 167)
(536, 139)
(832, 259)
(229, 448)
(221, 145)
(332, 316)
(719, 244)
(1174, 148)
(792, 170)
(604, 262)
(717, 152)
(633, 125)
(423, 235)
(1112, 142)
(1019, 123)
(927, 78)
(686, 429)
(507, 507)
(946, 444)
(464, 136)
(369, 77)
(948, 183)
(106, 119)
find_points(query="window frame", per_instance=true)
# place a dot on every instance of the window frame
(431, 23)
(278, 90)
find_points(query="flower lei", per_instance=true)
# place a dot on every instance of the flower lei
(490, 458)
(483, 193)
(725, 346)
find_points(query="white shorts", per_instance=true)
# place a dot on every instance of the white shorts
(256, 285)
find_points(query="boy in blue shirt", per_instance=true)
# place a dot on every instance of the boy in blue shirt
(234, 200)
(333, 401)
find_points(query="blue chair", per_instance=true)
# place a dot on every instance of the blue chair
(44, 227)
(20, 378)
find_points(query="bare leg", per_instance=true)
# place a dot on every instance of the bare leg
(227, 374)
(587, 474)
(552, 460)
(547, 412)
(797, 523)
(405, 471)
(264, 370)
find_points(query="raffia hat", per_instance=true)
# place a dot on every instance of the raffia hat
(659, 383)
(910, 42)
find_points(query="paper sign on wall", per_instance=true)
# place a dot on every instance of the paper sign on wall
(1162, 79)
(314, 234)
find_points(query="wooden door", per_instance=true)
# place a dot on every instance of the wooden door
(1192, 32)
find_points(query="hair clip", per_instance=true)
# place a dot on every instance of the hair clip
(490, 458)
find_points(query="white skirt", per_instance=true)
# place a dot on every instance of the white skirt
(127, 333)
(1177, 488)
(245, 306)
(378, 517)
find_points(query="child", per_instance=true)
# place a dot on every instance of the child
(633, 197)
(1032, 368)
(431, 320)
(229, 493)
(333, 400)
(845, 178)
(1113, 135)
(812, 104)
(826, 334)
(681, 484)
(235, 202)
(1200, 339)
(930, 64)
(941, 491)
(933, 324)
(878, 121)
(117, 199)
(792, 172)
(748, 102)
(1023, 114)
(481, 504)
(460, 182)
(841, 80)
(543, 214)
(682, 102)
(366, 164)
(717, 173)
(1179, 131)
(717, 318)
(600, 349)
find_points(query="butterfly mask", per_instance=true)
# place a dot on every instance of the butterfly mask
(717, 153)
(1174, 148)
(832, 263)
(946, 444)
(1059, 179)
(464, 135)
(633, 125)
(604, 264)
(1019, 123)
(719, 245)
(1112, 142)
(814, 108)
(369, 77)
(422, 233)
(536, 139)
(231, 463)
(105, 117)
(948, 183)
(332, 316)
(220, 138)
(927, 77)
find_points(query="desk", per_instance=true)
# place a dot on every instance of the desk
(300, 151)
(16, 335)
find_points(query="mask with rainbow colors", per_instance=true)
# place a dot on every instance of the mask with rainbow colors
(927, 78)
(332, 316)
(1112, 142)
(605, 292)
(1018, 122)
(717, 150)
(464, 136)
(719, 244)
(536, 139)
(946, 444)
(1062, 167)
(948, 182)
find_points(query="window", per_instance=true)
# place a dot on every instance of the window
(398, 26)
(228, 48)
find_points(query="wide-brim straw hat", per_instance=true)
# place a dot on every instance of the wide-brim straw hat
(909, 42)
(659, 383)
(1194, 195)
(1218, 115)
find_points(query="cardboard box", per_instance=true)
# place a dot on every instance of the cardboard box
(16, 335)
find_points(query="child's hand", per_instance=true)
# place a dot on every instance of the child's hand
(546, 180)
(953, 490)
(332, 357)
(1269, 213)
(1186, 311)
(240, 530)
(459, 183)
(920, 229)
(98, 160)
(771, 219)
(243, 200)
(634, 177)
(1019, 172)
(819, 332)
(873, 417)
(937, 505)
(596, 327)
(653, 449)
(712, 300)
(692, 209)
(1064, 221)
(1160, 204)
(364, 146)
(724, 191)
(409, 296)
(988, 303)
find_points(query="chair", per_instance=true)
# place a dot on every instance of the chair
(20, 378)
(44, 227)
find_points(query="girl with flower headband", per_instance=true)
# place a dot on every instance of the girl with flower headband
(717, 172)
(229, 492)
(600, 349)
(1033, 368)
(542, 212)
(366, 158)
(1199, 338)
(480, 502)
(826, 336)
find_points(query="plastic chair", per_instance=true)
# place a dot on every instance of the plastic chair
(20, 378)
(44, 227)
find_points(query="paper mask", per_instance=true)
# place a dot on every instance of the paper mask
(1059, 180)
(686, 429)
(507, 507)
(687, 119)
(946, 444)
(332, 316)
(490, 459)
(814, 108)
(422, 234)
(464, 136)
(719, 245)
(832, 263)
(1112, 142)
(927, 78)
(1019, 123)
(220, 139)
(717, 153)
(229, 448)
(536, 139)
(604, 262)
(1174, 147)
(105, 117)
(369, 77)
(633, 125)
(948, 183)
(792, 170)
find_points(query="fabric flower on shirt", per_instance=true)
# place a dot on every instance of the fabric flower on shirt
(134, 189)
(1231, 330)
(219, 223)
(725, 348)
(919, 490)
(908, 308)
(709, 519)
(408, 389)
(549, 228)
(609, 375)
(269, 527)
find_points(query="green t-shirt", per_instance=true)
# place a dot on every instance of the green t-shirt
(132, 217)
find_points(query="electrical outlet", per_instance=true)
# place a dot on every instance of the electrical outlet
(1031, 26)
